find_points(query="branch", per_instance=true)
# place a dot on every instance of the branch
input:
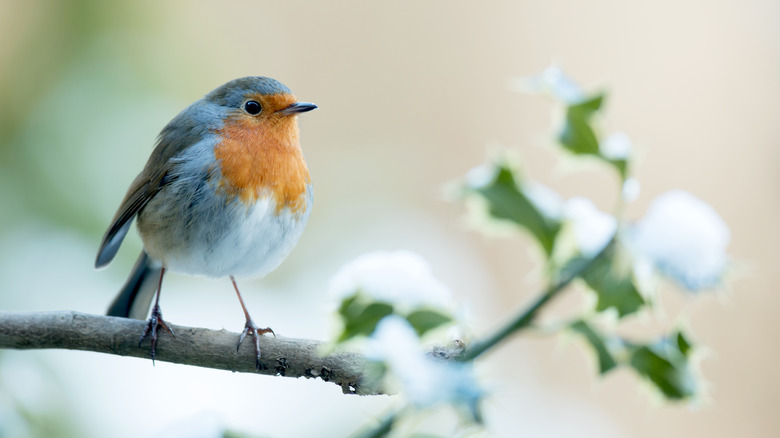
(191, 346)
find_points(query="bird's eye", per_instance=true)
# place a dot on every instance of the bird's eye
(252, 107)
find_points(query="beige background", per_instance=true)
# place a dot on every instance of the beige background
(412, 95)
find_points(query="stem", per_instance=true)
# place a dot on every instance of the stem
(525, 318)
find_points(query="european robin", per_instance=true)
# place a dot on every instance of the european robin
(225, 193)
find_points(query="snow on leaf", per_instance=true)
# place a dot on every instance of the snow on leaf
(616, 147)
(593, 229)
(401, 278)
(424, 381)
(684, 238)
(554, 81)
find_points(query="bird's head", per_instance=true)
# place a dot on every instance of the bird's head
(259, 148)
(258, 101)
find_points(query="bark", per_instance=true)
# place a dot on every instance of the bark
(216, 349)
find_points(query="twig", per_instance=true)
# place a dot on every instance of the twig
(525, 318)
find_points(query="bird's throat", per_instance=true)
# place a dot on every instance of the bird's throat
(261, 159)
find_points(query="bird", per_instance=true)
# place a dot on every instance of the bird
(226, 192)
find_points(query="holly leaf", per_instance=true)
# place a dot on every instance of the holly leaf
(577, 135)
(665, 364)
(614, 286)
(683, 345)
(597, 341)
(425, 320)
(359, 317)
(507, 201)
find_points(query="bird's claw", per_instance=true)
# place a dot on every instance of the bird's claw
(251, 328)
(152, 327)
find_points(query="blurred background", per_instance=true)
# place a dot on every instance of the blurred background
(412, 95)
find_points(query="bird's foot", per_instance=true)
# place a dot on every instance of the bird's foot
(152, 327)
(251, 328)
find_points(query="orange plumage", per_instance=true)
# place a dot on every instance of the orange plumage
(262, 154)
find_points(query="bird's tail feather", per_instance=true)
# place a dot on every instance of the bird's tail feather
(135, 297)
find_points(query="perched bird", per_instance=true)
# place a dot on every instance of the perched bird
(225, 193)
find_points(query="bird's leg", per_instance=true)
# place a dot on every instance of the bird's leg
(155, 321)
(250, 327)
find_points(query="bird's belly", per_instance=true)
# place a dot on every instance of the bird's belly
(207, 234)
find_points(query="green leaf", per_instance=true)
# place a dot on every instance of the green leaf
(683, 345)
(361, 318)
(506, 201)
(614, 286)
(577, 135)
(666, 365)
(621, 166)
(425, 320)
(597, 341)
(349, 307)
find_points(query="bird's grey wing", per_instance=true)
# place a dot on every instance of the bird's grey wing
(141, 191)
(147, 184)
(182, 132)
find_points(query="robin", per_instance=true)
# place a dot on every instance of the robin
(225, 193)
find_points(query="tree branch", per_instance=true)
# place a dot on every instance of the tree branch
(191, 346)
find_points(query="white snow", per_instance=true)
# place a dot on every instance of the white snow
(684, 238)
(616, 147)
(592, 228)
(423, 381)
(547, 201)
(402, 278)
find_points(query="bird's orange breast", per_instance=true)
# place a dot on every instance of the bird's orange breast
(263, 156)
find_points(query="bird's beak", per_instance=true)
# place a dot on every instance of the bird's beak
(297, 108)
